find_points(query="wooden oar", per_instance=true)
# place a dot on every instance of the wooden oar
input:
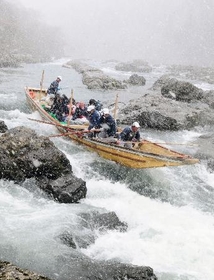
(79, 133)
(67, 134)
(60, 125)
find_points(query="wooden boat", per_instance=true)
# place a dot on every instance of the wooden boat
(144, 154)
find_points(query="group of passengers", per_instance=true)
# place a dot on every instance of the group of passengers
(101, 122)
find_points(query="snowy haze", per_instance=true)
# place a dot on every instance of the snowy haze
(158, 31)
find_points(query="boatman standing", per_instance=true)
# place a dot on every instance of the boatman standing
(52, 91)
(54, 86)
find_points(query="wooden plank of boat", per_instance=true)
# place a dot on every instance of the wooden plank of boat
(144, 154)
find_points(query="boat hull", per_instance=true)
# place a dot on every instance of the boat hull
(145, 154)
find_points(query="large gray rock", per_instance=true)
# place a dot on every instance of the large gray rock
(3, 127)
(137, 65)
(86, 269)
(191, 72)
(205, 149)
(97, 80)
(136, 80)
(163, 80)
(9, 271)
(94, 78)
(24, 154)
(208, 98)
(81, 268)
(92, 224)
(158, 112)
(180, 90)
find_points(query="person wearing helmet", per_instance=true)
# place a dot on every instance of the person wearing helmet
(130, 134)
(108, 124)
(93, 118)
(54, 86)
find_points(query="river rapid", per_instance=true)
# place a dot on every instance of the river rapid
(169, 211)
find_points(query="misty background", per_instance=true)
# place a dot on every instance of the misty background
(158, 31)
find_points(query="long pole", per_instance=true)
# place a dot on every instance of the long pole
(55, 124)
(115, 107)
(41, 83)
(78, 133)
(70, 106)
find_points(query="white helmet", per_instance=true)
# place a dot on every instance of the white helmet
(105, 111)
(90, 108)
(59, 77)
(136, 124)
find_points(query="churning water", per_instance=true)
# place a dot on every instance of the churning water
(169, 211)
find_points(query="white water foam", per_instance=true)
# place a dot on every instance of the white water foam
(170, 239)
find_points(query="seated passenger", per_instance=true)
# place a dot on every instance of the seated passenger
(108, 124)
(93, 118)
(72, 108)
(129, 134)
(80, 114)
(60, 108)
(49, 103)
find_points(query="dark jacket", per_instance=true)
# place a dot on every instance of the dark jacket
(128, 135)
(94, 120)
(60, 108)
(79, 113)
(53, 88)
(110, 121)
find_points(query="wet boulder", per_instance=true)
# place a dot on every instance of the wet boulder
(179, 90)
(192, 72)
(3, 127)
(98, 80)
(182, 91)
(83, 268)
(136, 80)
(94, 78)
(12, 272)
(162, 81)
(120, 271)
(136, 65)
(104, 221)
(208, 98)
(90, 225)
(155, 111)
(24, 155)
(205, 150)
